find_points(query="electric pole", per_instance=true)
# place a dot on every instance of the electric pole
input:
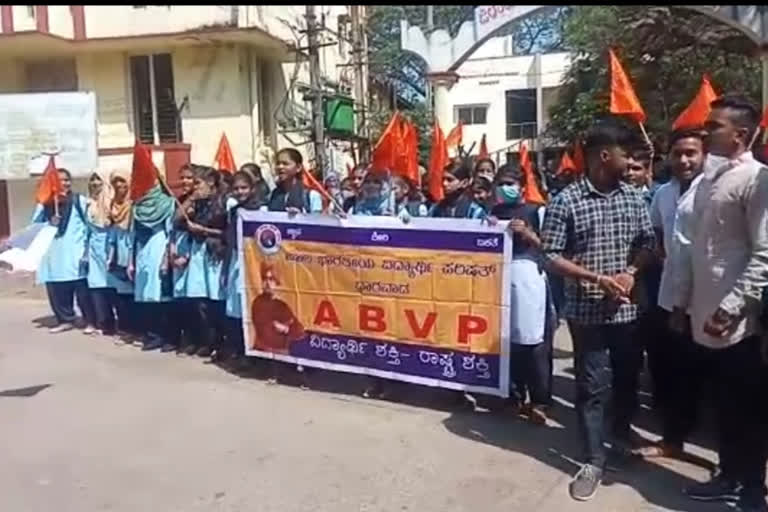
(359, 53)
(318, 117)
(430, 28)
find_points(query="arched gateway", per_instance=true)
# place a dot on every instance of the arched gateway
(444, 54)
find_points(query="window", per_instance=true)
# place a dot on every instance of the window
(49, 75)
(470, 114)
(31, 11)
(521, 114)
(156, 118)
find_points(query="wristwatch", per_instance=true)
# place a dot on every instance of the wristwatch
(631, 270)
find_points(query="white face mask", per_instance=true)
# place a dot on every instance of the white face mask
(712, 163)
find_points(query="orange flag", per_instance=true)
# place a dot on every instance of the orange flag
(697, 112)
(224, 161)
(384, 155)
(623, 98)
(483, 153)
(309, 181)
(143, 173)
(531, 193)
(407, 161)
(49, 187)
(579, 160)
(438, 159)
(455, 136)
(567, 165)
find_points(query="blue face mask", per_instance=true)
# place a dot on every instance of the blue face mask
(508, 194)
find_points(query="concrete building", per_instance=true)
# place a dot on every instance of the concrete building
(505, 97)
(176, 77)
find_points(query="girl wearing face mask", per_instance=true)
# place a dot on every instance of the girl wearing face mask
(531, 333)
(62, 268)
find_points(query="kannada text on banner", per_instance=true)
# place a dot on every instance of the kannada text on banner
(423, 302)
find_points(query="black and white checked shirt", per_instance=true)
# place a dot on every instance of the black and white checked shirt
(602, 233)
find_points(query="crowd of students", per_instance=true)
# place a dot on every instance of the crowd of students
(636, 256)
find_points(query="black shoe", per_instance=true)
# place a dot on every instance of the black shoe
(584, 485)
(152, 344)
(717, 489)
(751, 501)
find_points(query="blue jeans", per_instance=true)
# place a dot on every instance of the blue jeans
(606, 356)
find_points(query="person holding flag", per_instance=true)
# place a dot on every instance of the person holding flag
(63, 268)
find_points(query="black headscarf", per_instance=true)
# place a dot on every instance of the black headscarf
(288, 196)
(211, 212)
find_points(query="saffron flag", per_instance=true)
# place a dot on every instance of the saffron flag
(623, 98)
(764, 120)
(531, 192)
(143, 173)
(455, 136)
(483, 153)
(49, 187)
(567, 164)
(438, 159)
(407, 161)
(224, 160)
(384, 155)
(697, 112)
(579, 160)
(309, 181)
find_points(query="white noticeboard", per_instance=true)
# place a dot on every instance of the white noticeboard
(35, 124)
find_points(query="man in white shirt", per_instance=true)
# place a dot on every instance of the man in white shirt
(671, 355)
(727, 275)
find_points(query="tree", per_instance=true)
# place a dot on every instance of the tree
(664, 50)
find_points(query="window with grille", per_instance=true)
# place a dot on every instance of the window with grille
(156, 118)
(470, 114)
(521, 114)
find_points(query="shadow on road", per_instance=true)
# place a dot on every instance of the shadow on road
(45, 322)
(26, 392)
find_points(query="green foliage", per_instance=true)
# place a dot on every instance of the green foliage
(665, 51)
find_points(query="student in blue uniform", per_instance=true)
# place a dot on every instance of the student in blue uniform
(103, 296)
(290, 195)
(152, 225)
(457, 202)
(120, 243)
(206, 256)
(63, 268)
(260, 187)
(184, 308)
(248, 197)
(408, 200)
(374, 197)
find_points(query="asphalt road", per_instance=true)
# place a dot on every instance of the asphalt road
(89, 426)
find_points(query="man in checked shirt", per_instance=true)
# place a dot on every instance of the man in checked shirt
(597, 233)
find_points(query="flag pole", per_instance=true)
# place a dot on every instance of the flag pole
(754, 138)
(647, 140)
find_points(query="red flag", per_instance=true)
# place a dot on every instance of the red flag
(579, 160)
(623, 98)
(224, 161)
(455, 136)
(407, 160)
(697, 112)
(567, 165)
(144, 173)
(531, 193)
(438, 159)
(384, 155)
(483, 153)
(49, 187)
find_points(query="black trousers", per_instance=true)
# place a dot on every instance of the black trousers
(154, 319)
(740, 380)
(235, 342)
(104, 306)
(126, 314)
(61, 297)
(606, 356)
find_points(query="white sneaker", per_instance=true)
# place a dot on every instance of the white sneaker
(89, 329)
(60, 328)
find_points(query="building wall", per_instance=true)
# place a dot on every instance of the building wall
(485, 78)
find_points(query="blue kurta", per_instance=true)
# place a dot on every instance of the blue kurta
(121, 245)
(98, 251)
(233, 296)
(62, 261)
(150, 250)
(182, 242)
(203, 272)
